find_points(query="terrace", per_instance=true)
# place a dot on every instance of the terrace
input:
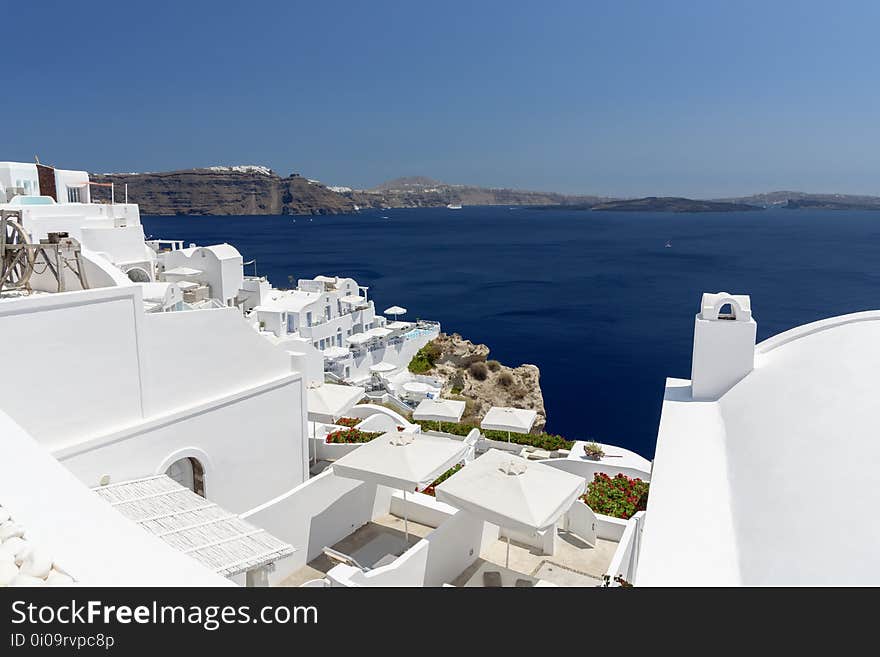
(380, 544)
(501, 520)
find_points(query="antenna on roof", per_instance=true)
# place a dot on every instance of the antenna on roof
(37, 159)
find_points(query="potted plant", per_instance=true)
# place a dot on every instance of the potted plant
(593, 451)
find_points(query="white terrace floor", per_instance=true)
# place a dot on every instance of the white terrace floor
(367, 545)
(575, 563)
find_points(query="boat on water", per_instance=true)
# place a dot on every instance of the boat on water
(668, 245)
(453, 206)
(154, 379)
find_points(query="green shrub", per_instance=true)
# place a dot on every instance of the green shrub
(505, 379)
(425, 358)
(478, 370)
(439, 480)
(493, 365)
(547, 441)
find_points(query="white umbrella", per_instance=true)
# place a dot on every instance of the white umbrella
(395, 310)
(382, 367)
(502, 418)
(439, 410)
(359, 338)
(405, 461)
(511, 492)
(379, 332)
(328, 402)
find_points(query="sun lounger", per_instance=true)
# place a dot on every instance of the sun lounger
(491, 578)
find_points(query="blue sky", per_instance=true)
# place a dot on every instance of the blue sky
(619, 97)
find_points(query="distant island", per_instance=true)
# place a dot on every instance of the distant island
(254, 189)
(829, 204)
(670, 204)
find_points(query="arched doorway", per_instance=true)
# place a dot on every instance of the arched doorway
(189, 473)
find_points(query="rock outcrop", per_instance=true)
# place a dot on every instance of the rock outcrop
(482, 383)
(223, 191)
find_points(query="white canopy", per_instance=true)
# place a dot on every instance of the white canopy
(328, 402)
(439, 410)
(359, 338)
(384, 366)
(336, 352)
(517, 420)
(379, 332)
(405, 461)
(398, 326)
(511, 492)
(416, 387)
(353, 299)
(395, 310)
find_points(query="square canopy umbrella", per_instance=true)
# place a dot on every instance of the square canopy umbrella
(517, 420)
(405, 461)
(511, 492)
(328, 402)
(439, 410)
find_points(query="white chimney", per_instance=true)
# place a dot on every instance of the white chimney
(724, 344)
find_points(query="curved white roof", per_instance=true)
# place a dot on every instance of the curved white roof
(223, 251)
(785, 465)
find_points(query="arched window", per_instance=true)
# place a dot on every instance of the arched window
(727, 312)
(138, 275)
(189, 473)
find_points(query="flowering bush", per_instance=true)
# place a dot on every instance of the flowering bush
(439, 480)
(352, 436)
(348, 421)
(593, 450)
(620, 497)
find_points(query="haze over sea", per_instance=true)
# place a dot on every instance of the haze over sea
(594, 299)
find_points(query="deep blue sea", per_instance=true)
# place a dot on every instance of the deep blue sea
(593, 299)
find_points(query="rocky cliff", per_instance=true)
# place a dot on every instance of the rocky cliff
(243, 190)
(223, 191)
(468, 374)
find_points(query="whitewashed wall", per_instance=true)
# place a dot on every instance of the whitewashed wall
(318, 513)
(112, 391)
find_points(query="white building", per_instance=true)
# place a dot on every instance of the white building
(333, 316)
(763, 473)
(116, 368)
